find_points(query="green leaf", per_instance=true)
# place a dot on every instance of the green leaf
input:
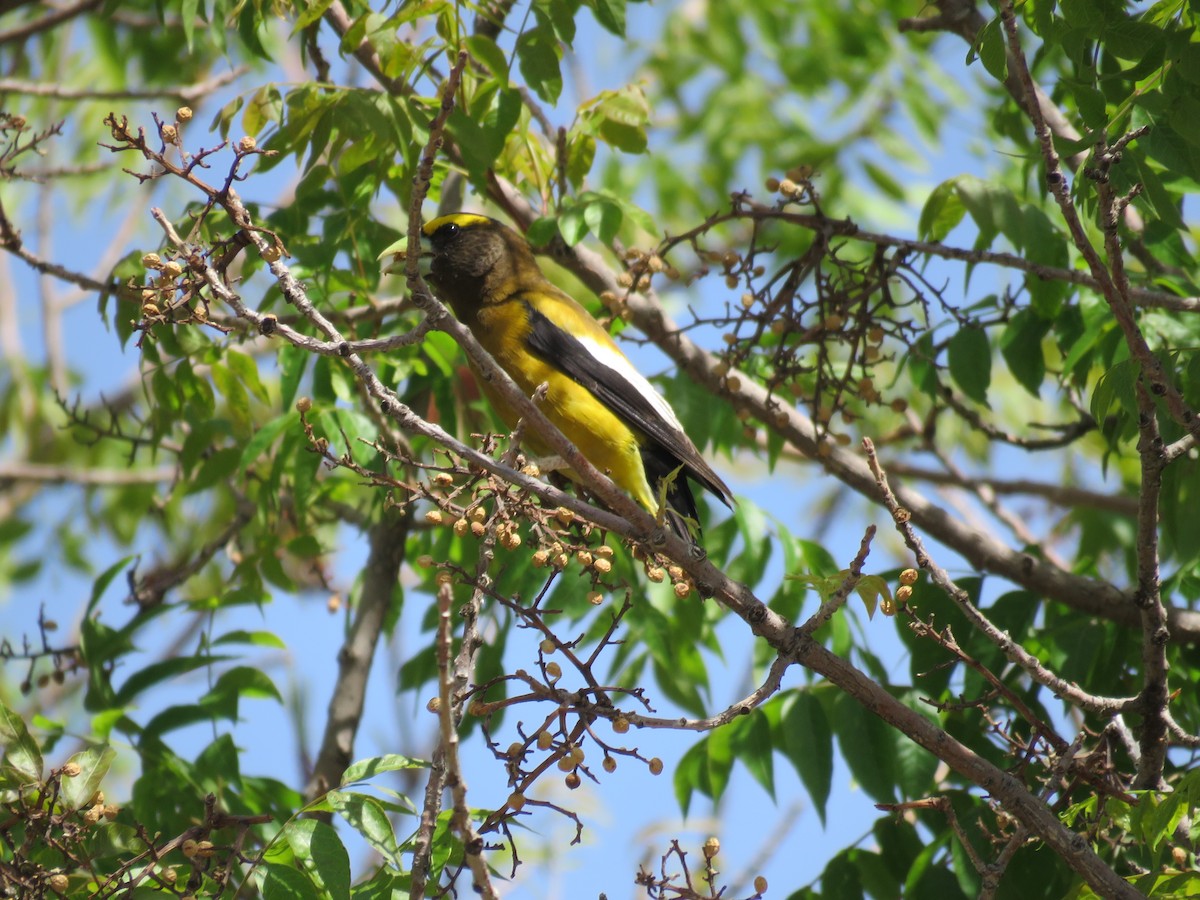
(752, 745)
(808, 745)
(488, 54)
(94, 763)
(992, 50)
(189, 11)
(542, 231)
(719, 761)
(376, 765)
(253, 638)
(1021, 347)
(100, 585)
(970, 361)
(573, 225)
(283, 882)
(603, 218)
(22, 756)
(264, 437)
(691, 774)
(1115, 387)
(868, 746)
(158, 672)
(610, 14)
(366, 816)
(313, 11)
(319, 849)
(245, 368)
(234, 392)
(539, 54)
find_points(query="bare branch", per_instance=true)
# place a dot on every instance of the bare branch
(185, 93)
(71, 474)
(47, 22)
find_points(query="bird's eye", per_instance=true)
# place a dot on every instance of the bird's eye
(450, 229)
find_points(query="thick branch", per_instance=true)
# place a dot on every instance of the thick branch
(388, 538)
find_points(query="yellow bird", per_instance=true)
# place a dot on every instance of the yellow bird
(488, 275)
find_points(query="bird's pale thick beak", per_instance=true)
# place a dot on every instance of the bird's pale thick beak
(395, 257)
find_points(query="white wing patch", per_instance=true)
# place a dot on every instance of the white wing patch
(613, 359)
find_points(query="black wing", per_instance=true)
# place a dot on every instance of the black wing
(667, 448)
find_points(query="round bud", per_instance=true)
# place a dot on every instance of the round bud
(682, 589)
(565, 764)
(189, 848)
(515, 750)
(544, 740)
(547, 645)
(183, 114)
(246, 144)
(787, 187)
(772, 184)
(425, 561)
(516, 801)
(169, 134)
(478, 529)
(572, 781)
(656, 766)
(711, 848)
(152, 261)
(760, 884)
(553, 671)
(584, 557)
(909, 576)
(304, 404)
(71, 769)
(434, 704)
(58, 882)
(461, 526)
(903, 593)
(620, 725)
(541, 559)
(271, 253)
(655, 574)
(609, 764)
(172, 270)
(434, 517)
(602, 565)
(595, 598)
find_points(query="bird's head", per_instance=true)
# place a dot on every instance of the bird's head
(471, 261)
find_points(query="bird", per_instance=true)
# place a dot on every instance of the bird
(488, 275)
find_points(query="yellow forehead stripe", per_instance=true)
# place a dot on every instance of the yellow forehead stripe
(462, 220)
